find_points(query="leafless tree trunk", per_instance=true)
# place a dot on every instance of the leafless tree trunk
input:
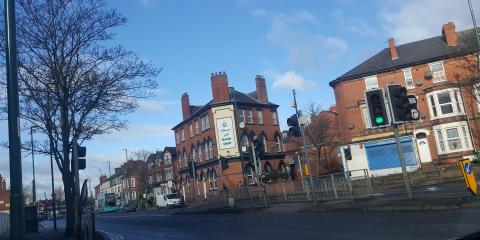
(316, 130)
(73, 87)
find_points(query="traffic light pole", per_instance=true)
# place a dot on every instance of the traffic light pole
(406, 178)
(17, 216)
(77, 186)
(305, 149)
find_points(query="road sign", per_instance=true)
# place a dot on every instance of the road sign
(468, 176)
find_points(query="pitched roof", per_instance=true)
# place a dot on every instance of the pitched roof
(411, 54)
(171, 150)
(235, 96)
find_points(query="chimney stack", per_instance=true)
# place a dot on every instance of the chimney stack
(393, 48)
(185, 106)
(261, 89)
(449, 34)
(103, 179)
(220, 87)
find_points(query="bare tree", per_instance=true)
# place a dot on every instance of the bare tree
(141, 154)
(316, 131)
(72, 86)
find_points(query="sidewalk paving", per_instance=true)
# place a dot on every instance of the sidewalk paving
(45, 232)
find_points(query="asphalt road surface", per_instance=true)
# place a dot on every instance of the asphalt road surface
(292, 225)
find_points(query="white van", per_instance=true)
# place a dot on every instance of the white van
(168, 201)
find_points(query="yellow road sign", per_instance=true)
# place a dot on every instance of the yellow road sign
(468, 176)
(306, 170)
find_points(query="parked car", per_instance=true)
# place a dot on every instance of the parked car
(128, 208)
(168, 201)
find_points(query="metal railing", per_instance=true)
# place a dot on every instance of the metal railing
(4, 225)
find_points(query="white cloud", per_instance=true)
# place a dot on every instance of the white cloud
(259, 12)
(298, 34)
(153, 106)
(291, 80)
(410, 20)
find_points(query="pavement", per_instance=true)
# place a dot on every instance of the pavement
(45, 231)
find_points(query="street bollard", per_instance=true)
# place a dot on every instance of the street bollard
(284, 193)
(334, 188)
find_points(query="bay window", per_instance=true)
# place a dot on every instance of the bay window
(452, 137)
(445, 103)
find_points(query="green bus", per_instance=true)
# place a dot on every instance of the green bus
(106, 203)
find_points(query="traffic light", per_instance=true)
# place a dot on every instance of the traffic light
(404, 106)
(294, 129)
(377, 109)
(81, 153)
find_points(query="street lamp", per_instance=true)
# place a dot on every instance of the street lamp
(109, 170)
(126, 154)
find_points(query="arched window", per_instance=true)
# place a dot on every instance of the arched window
(213, 180)
(281, 168)
(194, 155)
(244, 142)
(278, 142)
(207, 153)
(210, 148)
(250, 175)
(199, 152)
(263, 138)
(267, 169)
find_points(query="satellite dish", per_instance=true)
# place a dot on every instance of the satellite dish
(241, 125)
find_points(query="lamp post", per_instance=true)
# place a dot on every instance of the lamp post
(126, 154)
(109, 170)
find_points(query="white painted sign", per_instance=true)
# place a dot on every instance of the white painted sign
(225, 133)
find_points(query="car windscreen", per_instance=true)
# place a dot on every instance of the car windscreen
(172, 196)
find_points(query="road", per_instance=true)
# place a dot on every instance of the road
(292, 225)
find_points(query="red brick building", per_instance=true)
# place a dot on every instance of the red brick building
(4, 195)
(440, 72)
(160, 177)
(219, 130)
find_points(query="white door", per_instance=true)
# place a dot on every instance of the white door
(423, 148)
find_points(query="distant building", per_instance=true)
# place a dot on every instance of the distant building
(219, 130)
(4, 195)
(160, 176)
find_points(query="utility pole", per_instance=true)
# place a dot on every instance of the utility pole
(474, 24)
(406, 178)
(237, 132)
(34, 189)
(17, 212)
(53, 191)
(305, 149)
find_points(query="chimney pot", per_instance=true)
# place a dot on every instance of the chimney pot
(393, 48)
(449, 34)
(220, 87)
(185, 106)
(261, 88)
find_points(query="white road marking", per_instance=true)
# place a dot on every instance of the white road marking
(111, 236)
(432, 189)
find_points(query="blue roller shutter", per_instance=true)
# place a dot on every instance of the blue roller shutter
(382, 154)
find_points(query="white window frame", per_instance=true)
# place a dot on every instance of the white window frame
(210, 148)
(456, 102)
(408, 80)
(203, 123)
(132, 182)
(197, 131)
(183, 135)
(241, 116)
(463, 136)
(194, 154)
(199, 148)
(371, 86)
(250, 175)
(191, 129)
(438, 76)
(278, 142)
(207, 122)
(249, 116)
(212, 180)
(274, 118)
(177, 137)
(366, 116)
(168, 174)
(207, 153)
(259, 116)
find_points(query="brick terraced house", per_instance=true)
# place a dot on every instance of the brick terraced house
(218, 131)
(442, 72)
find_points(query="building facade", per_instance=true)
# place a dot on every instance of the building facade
(160, 174)
(4, 195)
(222, 131)
(441, 72)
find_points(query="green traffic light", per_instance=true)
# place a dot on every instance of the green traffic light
(379, 119)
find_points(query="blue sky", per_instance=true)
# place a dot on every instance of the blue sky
(294, 44)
